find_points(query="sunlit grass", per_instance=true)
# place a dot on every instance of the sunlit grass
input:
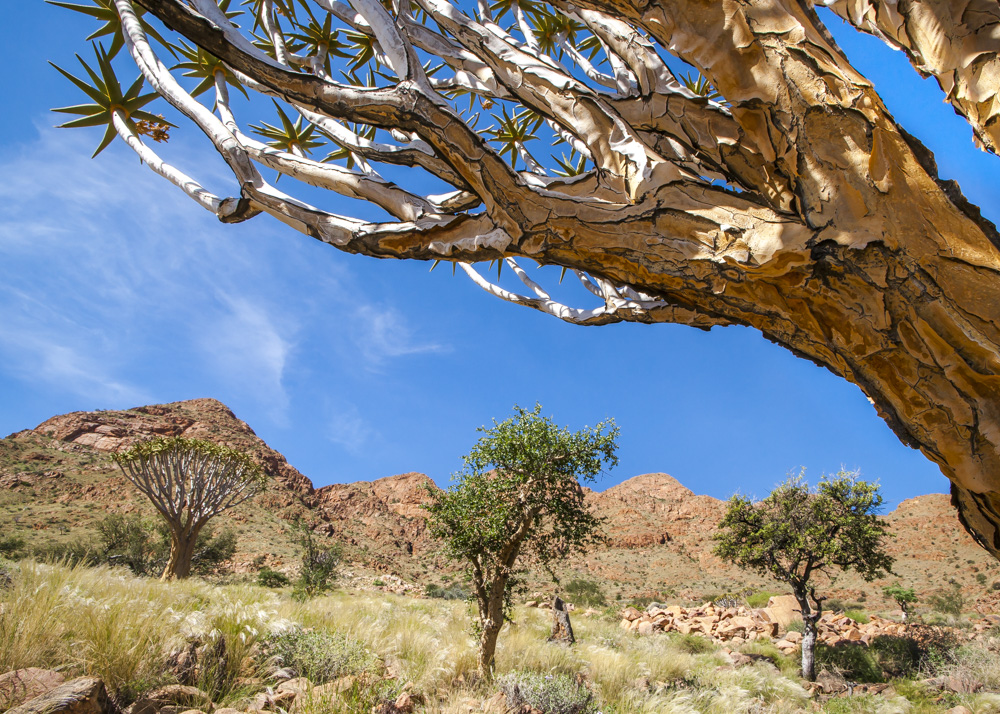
(106, 623)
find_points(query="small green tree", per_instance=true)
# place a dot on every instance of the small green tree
(319, 565)
(189, 481)
(904, 597)
(519, 497)
(797, 533)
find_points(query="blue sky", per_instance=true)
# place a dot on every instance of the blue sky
(117, 291)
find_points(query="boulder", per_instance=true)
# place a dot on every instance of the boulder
(178, 697)
(84, 695)
(830, 682)
(783, 609)
(645, 628)
(24, 684)
(793, 637)
(497, 704)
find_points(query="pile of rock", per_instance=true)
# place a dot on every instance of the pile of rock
(724, 624)
(42, 691)
(744, 624)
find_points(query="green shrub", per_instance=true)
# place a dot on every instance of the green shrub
(692, 644)
(11, 546)
(80, 551)
(859, 616)
(898, 657)
(453, 591)
(268, 578)
(949, 602)
(580, 591)
(854, 661)
(551, 693)
(319, 655)
(319, 565)
(759, 599)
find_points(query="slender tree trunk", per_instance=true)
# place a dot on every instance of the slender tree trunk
(809, 618)
(809, 648)
(488, 646)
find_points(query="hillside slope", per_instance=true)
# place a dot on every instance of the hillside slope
(58, 480)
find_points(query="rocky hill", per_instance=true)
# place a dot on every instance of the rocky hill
(57, 480)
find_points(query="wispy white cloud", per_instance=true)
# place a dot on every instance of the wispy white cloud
(349, 429)
(118, 288)
(248, 350)
(382, 333)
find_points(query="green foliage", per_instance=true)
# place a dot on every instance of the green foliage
(797, 532)
(551, 693)
(319, 565)
(859, 616)
(319, 655)
(177, 450)
(853, 661)
(581, 591)
(897, 656)
(107, 98)
(759, 599)
(519, 498)
(447, 592)
(950, 601)
(519, 495)
(11, 546)
(268, 578)
(692, 644)
(79, 551)
(904, 597)
(144, 546)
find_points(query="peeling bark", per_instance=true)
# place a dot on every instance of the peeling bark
(799, 207)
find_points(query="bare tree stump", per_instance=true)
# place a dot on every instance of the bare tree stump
(562, 630)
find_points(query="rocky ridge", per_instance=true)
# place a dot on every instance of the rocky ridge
(57, 480)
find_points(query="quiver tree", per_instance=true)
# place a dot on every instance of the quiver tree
(189, 481)
(775, 190)
(518, 501)
(797, 535)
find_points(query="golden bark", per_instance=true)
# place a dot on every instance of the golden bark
(800, 208)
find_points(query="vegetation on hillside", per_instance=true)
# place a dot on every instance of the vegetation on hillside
(108, 623)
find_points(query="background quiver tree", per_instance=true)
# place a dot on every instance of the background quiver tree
(517, 499)
(189, 481)
(797, 533)
(904, 597)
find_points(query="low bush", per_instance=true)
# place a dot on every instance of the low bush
(855, 662)
(319, 565)
(950, 601)
(268, 578)
(898, 657)
(551, 693)
(580, 591)
(453, 591)
(759, 599)
(859, 616)
(692, 644)
(11, 546)
(319, 655)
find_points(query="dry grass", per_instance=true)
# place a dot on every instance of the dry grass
(103, 622)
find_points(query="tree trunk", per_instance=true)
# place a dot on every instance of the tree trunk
(562, 629)
(809, 648)
(181, 552)
(809, 619)
(488, 646)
